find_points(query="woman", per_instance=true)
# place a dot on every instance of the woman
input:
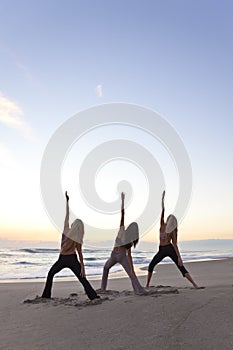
(72, 239)
(122, 252)
(168, 246)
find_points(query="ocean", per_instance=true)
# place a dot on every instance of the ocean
(32, 260)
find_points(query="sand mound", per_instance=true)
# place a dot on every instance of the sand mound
(72, 300)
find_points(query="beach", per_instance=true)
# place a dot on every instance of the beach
(175, 317)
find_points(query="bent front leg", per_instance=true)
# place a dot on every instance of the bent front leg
(91, 293)
(138, 289)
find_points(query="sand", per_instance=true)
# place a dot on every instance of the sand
(173, 316)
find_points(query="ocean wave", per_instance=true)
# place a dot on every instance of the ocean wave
(94, 259)
(39, 250)
(94, 251)
(95, 272)
(25, 263)
(101, 265)
(207, 257)
(5, 255)
(32, 262)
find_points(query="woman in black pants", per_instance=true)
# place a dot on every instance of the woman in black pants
(72, 239)
(168, 246)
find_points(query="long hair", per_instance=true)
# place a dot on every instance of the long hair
(76, 231)
(132, 234)
(171, 226)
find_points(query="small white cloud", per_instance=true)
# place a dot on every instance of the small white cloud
(12, 115)
(99, 90)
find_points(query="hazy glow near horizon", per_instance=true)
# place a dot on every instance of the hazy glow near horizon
(174, 57)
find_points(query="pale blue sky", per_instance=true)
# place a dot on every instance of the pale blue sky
(172, 56)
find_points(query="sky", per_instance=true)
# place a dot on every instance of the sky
(59, 58)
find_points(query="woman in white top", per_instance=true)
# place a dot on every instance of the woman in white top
(121, 253)
(168, 246)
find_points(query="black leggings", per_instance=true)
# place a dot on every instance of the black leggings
(72, 263)
(166, 250)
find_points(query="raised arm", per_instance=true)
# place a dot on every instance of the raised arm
(163, 210)
(66, 223)
(122, 223)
